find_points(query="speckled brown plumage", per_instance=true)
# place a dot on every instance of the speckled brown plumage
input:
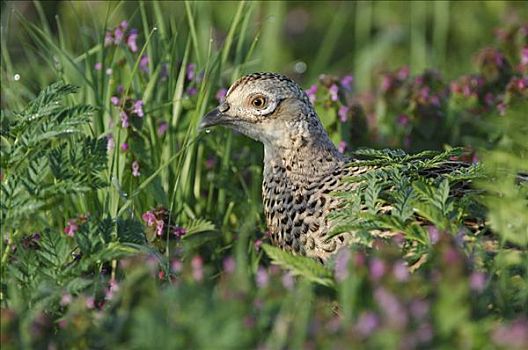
(302, 167)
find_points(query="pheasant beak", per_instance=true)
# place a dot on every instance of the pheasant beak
(215, 117)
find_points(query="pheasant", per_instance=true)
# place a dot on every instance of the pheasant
(302, 167)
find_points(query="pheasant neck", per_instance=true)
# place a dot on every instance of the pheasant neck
(304, 161)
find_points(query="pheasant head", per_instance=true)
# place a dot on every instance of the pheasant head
(273, 109)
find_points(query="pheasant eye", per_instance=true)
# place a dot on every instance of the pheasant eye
(258, 102)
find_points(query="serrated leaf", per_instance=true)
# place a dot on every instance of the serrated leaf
(300, 265)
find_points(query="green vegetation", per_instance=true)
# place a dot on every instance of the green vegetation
(123, 227)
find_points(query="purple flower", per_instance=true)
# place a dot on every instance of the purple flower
(120, 89)
(311, 92)
(110, 143)
(66, 299)
(197, 268)
(386, 83)
(144, 63)
(191, 69)
(113, 288)
(137, 108)
(135, 168)
(98, 66)
(343, 114)
(90, 302)
(109, 39)
(367, 323)
(149, 218)
(513, 335)
(393, 310)
(376, 269)
(477, 281)
(262, 278)
(403, 73)
(434, 234)
(501, 106)
(524, 56)
(71, 227)
(210, 163)
(123, 24)
(229, 264)
(288, 281)
(159, 226)
(124, 147)
(403, 119)
(176, 266)
(179, 231)
(162, 128)
(115, 100)
(191, 91)
(220, 95)
(400, 271)
(131, 40)
(341, 264)
(342, 146)
(124, 119)
(119, 33)
(333, 90)
(346, 82)
(419, 309)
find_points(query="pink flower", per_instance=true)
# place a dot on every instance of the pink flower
(210, 163)
(403, 73)
(137, 108)
(341, 264)
(71, 228)
(403, 119)
(113, 288)
(144, 63)
(162, 128)
(434, 234)
(191, 91)
(262, 277)
(346, 82)
(288, 281)
(124, 147)
(109, 39)
(229, 264)
(66, 299)
(179, 231)
(110, 143)
(131, 40)
(159, 227)
(124, 24)
(342, 146)
(191, 68)
(98, 66)
(115, 100)
(333, 92)
(118, 35)
(197, 268)
(135, 168)
(149, 218)
(311, 92)
(524, 56)
(367, 323)
(124, 119)
(512, 335)
(176, 266)
(376, 269)
(400, 271)
(477, 281)
(220, 95)
(343, 113)
(90, 302)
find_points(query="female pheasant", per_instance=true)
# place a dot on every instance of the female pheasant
(302, 167)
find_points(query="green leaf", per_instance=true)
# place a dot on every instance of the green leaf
(300, 265)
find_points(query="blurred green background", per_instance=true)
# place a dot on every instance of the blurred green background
(302, 39)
